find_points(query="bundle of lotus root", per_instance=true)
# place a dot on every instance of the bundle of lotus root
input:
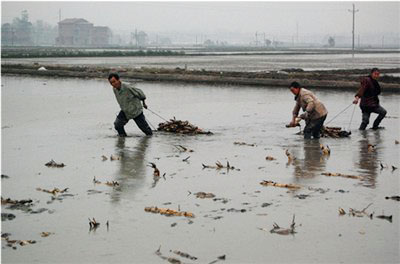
(180, 127)
(334, 132)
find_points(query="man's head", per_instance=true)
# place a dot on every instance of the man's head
(295, 88)
(113, 78)
(375, 73)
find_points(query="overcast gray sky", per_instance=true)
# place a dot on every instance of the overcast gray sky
(284, 18)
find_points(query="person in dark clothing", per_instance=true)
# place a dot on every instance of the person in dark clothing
(130, 100)
(368, 92)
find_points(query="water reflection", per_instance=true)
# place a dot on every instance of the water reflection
(132, 171)
(368, 156)
(313, 163)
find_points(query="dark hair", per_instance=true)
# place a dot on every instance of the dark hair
(113, 74)
(374, 70)
(295, 85)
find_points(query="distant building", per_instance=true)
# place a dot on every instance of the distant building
(74, 32)
(80, 32)
(142, 39)
(101, 36)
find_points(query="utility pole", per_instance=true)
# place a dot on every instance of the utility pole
(354, 16)
(297, 33)
(383, 41)
(256, 39)
(264, 39)
(136, 37)
(59, 15)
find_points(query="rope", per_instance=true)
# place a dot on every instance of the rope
(156, 114)
(154, 129)
(351, 119)
(338, 114)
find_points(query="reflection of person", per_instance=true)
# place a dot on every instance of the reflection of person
(129, 98)
(314, 111)
(368, 159)
(368, 92)
(313, 163)
(132, 171)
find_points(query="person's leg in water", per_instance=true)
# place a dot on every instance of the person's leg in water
(318, 126)
(366, 112)
(308, 129)
(119, 124)
(381, 115)
(141, 122)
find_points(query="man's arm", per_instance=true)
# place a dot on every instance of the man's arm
(360, 91)
(137, 93)
(144, 103)
(295, 113)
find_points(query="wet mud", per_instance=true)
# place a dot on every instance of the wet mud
(113, 206)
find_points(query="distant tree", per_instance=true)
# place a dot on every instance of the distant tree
(209, 43)
(267, 42)
(7, 34)
(331, 42)
(23, 29)
(44, 33)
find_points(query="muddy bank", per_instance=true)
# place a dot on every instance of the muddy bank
(338, 79)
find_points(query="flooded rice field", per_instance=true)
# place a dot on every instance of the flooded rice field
(235, 220)
(265, 62)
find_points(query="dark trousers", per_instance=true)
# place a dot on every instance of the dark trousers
(140, 121)
(313, 127)
(366, 113)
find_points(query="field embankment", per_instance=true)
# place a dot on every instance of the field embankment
(338, 79)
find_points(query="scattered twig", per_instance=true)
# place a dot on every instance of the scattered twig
(93, 224)
(325, 150)
(341, 175)
(54, 164)
(270, 158)
(284, 231)
(183, 254)
(46, 234)
(203, 195)
(21, 202)
(183, 149)
(282, 185)
(289, 156)
(168, 212)
(244, 144)
(371, 148)
(156, 172)
(218, 166)
(396, 198)
(55, 191)
(114, 157)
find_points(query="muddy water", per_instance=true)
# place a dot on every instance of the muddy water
(70, 121)
(235, 63)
